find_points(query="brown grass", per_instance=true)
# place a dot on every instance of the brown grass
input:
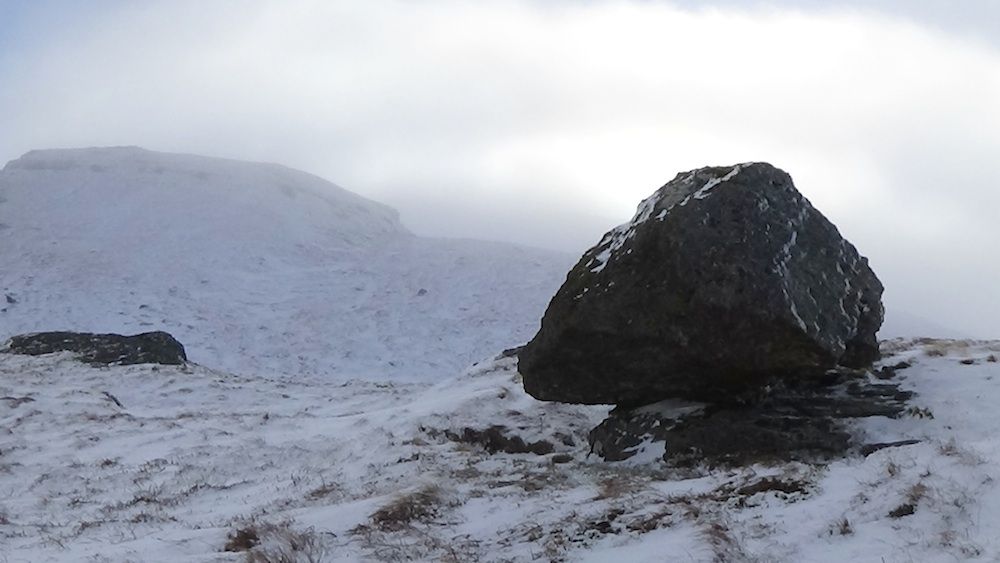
(913, 496)
(419, 506)
(843, 527)
(243, 539)
(275, 543)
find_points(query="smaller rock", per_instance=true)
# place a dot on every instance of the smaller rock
(561, 458)
(787, 422)
(884, 373)
(103, 349)
(869, 449)
(906, 509)
(495, 439)
(10, 299)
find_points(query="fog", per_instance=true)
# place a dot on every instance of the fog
(545, 123)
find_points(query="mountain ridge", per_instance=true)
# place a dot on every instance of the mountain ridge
(255, 267)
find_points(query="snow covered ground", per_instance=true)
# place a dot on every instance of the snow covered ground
(255, 268)
(147, 463)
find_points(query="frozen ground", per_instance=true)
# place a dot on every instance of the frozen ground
(329, 413)
(166, 464)
(256, 268)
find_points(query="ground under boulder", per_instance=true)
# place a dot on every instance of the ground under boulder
(103, 349)
(725, 279)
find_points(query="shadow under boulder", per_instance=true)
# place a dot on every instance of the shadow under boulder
(103, 349)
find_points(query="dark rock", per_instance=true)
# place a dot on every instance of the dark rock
(561, 458)
(869, 449)
(10, 299)
(885, 372)
(494, 439)
(773, 485)
(725, 278)
(103, 349)
(801, 422)
(726, 436)
(905, 509)
(510, 353)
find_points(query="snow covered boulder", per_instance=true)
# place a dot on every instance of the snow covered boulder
(103, 349)
(726, 278)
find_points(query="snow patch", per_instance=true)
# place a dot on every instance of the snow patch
(617, 237)
(783, 259)
(647, 452)
(703, 192)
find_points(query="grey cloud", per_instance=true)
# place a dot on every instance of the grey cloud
(971, 19)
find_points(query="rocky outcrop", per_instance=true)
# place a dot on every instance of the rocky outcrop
(103, 349)
(726, 278)
(782, 422)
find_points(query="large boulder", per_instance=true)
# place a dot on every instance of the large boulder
(103, 349)
(726, 278)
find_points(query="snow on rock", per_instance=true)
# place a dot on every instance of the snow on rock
(256, 268)
(738, 280)
(662, 200)
(147, 348)
(166, 463)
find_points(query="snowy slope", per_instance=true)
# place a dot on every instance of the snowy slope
(328, 401)
(256, 268)
(164, 464)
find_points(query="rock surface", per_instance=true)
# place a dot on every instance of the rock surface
(103, 349)
(726, 278)
(782, 423)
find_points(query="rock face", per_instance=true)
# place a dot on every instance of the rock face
(726, 278)
(103, 349)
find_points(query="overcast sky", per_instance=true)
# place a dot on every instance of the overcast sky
(545, 123)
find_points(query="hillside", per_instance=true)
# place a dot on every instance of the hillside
(256, 268)
(332, 410)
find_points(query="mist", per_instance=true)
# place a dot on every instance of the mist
(544, 124)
